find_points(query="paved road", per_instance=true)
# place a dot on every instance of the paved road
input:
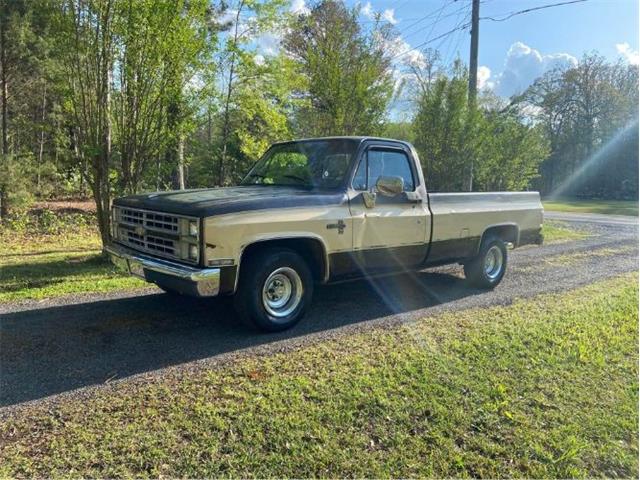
(71, 346)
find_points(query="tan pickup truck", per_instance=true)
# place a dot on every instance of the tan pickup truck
(316, 211)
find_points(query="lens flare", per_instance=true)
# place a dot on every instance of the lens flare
(592, 162)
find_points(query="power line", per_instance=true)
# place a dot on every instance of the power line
(450, 54)
(432, 24)
(462, 27)
(468, 24)
(533, 9)
(431, 14)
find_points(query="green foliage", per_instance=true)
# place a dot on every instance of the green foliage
(511, 153)
(449, 134)
(542, 388)
(400, 131)
(613, 207)
(46, 253)
(496, 144)
(590, 116)
(346, 69)
(559, 232)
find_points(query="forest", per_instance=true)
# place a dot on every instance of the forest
(100, 98)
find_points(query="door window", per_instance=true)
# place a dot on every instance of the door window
(388, 163)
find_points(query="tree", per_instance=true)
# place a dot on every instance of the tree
(506, 148)
(233, 60)
(24, 94)
(588, 114)
(448, 131)
(347, 71)
(161, 46)
(511, 152)
(87, 44)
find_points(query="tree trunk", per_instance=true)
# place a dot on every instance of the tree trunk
(4, 207)
(227, 103)
(42, 130)
(103, 202)
(180, 171)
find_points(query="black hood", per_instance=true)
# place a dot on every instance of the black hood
(217, 201)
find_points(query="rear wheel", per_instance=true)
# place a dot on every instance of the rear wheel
(487, 269)
(274, 290)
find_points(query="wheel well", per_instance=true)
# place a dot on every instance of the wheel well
(311, 250)
(506, 233)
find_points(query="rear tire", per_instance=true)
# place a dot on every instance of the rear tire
(488, 267)
(274, 290)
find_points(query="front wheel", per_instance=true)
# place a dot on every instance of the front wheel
(487, 269)
(274, 290)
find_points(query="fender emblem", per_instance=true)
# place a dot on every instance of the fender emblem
(340, 226)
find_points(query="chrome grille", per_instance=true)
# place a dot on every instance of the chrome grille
(160, 234)
(161, 222)
(132, 217)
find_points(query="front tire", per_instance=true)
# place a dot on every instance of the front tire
(488, 267)
(274, 290)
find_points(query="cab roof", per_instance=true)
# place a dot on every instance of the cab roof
(358, 139)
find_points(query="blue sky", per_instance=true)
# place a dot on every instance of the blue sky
(515, 51)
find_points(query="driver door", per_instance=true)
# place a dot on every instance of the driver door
(391, 234)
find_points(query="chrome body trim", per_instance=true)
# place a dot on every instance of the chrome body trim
(207, 279)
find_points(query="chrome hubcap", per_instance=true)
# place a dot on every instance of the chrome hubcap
(282, 292)
(493, 262)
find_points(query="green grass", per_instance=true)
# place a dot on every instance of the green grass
(558, 232)
(546, 387)
(614, 207)
(39, 266)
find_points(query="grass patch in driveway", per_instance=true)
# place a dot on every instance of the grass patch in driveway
(556, 232)
(43, 265)
(546, 387)
(612, 207)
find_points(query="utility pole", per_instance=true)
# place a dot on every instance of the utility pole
(473, 72)
(473, 51)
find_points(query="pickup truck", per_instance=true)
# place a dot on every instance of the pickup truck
(311, 212)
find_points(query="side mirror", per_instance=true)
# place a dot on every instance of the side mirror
(390, 186)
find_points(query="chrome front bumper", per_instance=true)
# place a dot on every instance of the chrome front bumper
(200, 282)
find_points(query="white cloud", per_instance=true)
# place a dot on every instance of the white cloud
(524, 65)
(404, 54)
(484, 73)
(259, 59)
(299, 7)
(632, 56)
(269, 43)
(388, 15)
(367, 10)
(228, 16)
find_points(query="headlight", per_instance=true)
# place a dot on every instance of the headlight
(193, 252)
(193, 228)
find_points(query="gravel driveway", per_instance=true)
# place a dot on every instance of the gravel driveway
(74, 345)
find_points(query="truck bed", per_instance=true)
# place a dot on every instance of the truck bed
(468, 215)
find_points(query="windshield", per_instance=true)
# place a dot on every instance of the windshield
(312, 164)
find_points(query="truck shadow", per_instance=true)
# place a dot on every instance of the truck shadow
(56, 349)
